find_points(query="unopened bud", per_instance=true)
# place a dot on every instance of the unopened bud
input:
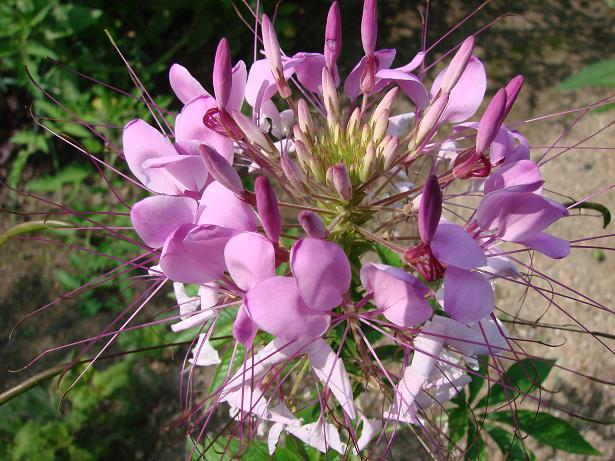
(385, 105)
(339, 178)
(430, 208)
(370, 161)
(491, 121)
(251, 131)
(312, 224)
(293, 172)
(512, 91)
(329, 94)
(365, 134)
(317, 169)
(302, 153)
(333, 35)
(369, 27)
(381, 126)
(300, 135)
(274, 56)
(353, 122)
(458, 65)
(304, 117)
(221, 170)
(431, 118)
(267, 207)
(389, 153)
(222, 74)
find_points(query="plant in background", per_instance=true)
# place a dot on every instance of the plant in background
(340, 252)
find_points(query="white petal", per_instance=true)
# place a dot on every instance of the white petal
(187, 304)
(320, 435)
(330, 370)
(371, 428)
(203, 354)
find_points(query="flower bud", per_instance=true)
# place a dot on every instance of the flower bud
(339, 178)
(389, 152)
(312, 224)
(458, 65)
(512, 91)
(251, 131)
(491, 121)
(221, 170)
(384, 105)
(292, 171)
(267, 207)
(304, 117)
(302, 152)
(222, 74)
(354, 121)
(333, 35)
(300, 135)
(369, 27)
(369, 163)
(274, 56)
(317, 169)
(381, 126)
(430, 208)
(430, 119)
(329, 94)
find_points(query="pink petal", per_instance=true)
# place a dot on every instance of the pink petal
(221, 207)
(195, 254)
(142, 142)
(238, 88)
(155, 218)
(189, 126)
(330, 370)
(308, 68)
(177, 173)
(250, 259)
(467, 95)
(452, 245)
(518, 215)
(523, 175)
(549, 245)
(276, 307)
(184, 85)
(322, 271)
(401, 295)
(244, 329)
(468, 296)
(409, 84)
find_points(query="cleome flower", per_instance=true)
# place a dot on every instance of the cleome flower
(283, 186)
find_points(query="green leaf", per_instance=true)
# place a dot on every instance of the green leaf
(476, 449)
(547, 429)
(478, 379)
(521, 378)
(509, 444)
(604, 211)
(600, 73)
(457, 423)
(388, 256)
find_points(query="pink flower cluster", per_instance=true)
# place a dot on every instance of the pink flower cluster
(277, 213)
